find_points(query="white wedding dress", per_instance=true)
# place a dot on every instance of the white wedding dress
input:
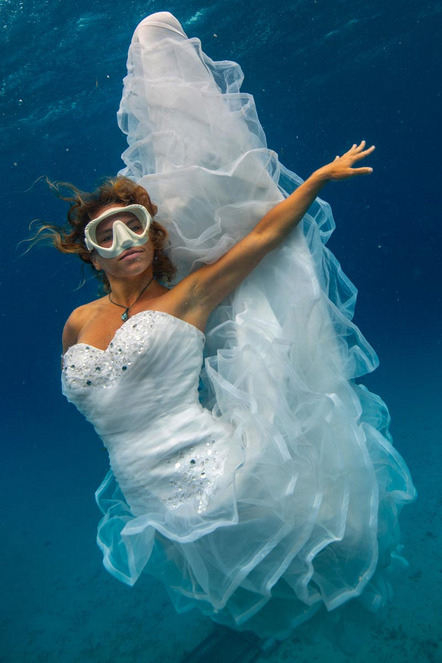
(258, 481)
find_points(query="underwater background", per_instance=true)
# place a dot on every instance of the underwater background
(325, 74)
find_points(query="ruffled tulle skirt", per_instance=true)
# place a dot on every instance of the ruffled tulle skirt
(282, 356)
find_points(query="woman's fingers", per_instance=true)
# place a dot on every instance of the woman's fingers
(364, 153)
(356, 148)
(357, 152)
(359, 149)
(362, 171)
(368, 150)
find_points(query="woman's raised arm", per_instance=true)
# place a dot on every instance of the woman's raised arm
(207, 287)
(277, 223)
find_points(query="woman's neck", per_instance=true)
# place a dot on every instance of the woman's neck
(125, 291)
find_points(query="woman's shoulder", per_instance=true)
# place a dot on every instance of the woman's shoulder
(77, 320)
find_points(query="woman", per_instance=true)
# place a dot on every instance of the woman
(269, 489)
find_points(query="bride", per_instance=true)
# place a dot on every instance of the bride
(249, 471)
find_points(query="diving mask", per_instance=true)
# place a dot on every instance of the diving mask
(132, 229)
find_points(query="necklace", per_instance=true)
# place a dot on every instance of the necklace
(125, 315)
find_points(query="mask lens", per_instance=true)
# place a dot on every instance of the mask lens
(104, 234)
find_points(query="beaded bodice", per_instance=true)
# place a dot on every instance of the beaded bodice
(141, 395)
(87, 366)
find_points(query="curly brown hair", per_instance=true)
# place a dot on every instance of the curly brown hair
(85, 206)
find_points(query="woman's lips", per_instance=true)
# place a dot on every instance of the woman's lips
(130, 255)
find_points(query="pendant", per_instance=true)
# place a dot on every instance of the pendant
(125, 315)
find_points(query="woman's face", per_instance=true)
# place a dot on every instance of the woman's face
(133, 259)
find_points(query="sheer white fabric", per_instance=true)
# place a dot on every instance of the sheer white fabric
(296, 505)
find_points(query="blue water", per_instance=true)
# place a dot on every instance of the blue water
(324, 74)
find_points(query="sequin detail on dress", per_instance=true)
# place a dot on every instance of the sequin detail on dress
(197, 470)
(87, 366)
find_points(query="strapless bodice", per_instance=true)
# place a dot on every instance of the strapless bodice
(143, 347)
(141, 395)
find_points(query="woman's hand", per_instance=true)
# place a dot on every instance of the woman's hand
(342, 167)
